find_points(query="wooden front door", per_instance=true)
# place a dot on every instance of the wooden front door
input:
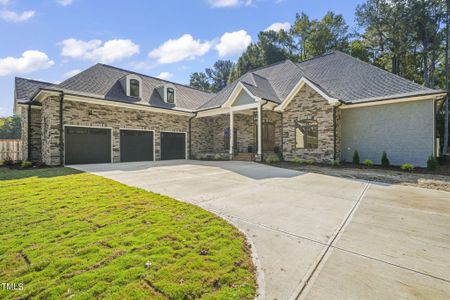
(268, 136)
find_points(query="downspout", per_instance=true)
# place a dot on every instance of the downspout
(61, 130)
(190, 134)
(29, 133)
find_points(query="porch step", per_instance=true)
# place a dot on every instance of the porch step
(244, 157)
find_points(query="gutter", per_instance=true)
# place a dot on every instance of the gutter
(190, 134)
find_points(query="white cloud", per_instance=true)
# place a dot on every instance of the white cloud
(278, 26)
(165, 75)
(30, 61)
(4, 2)
(233, 43)
(229, 3)
(12, 16)
(179, 49)
(72, 73)
(64, 2)
(97, 51)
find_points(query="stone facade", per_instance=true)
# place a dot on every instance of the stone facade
(207, 132)
(94, 115)
(35, 132)
(308, 104)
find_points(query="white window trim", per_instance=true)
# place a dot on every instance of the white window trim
(128, 79)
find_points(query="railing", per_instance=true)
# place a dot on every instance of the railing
(11, 149)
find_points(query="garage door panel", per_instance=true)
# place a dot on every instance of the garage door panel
(136, 145)
(85, 145)
(173, 145)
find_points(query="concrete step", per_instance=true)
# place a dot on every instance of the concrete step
(244, 157)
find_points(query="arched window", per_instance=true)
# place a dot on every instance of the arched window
(134, 88)
(170, 95)
(306, 134)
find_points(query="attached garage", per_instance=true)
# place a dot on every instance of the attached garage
(173, 145)
(87, 145)
(136, 145)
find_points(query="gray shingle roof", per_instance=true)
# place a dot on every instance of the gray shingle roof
(353, 81)
(337, 74)
(26, 88)
(103, 81)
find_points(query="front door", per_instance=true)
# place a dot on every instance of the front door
(268, 136)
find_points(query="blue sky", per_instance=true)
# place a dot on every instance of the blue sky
(50, 40)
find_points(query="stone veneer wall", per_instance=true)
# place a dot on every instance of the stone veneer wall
(24, 131)
(88, 114)
(308, 104)
(36, 134)
(51, 131)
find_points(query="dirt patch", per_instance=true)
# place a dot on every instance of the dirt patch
(421, 179)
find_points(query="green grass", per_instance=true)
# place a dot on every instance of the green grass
(65, 234)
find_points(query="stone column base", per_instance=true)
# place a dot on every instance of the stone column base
(258, 157)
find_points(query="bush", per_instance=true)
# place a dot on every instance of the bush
(407, 167)
(309, 162)
(270, 159)
(335, 162)
(217, 156)
(385, 160)
(432, 163)
(355, 159)
(26, 164)
(297, 160)
(368, 162)
(8, 162)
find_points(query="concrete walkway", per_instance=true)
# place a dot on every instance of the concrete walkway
(316, 236)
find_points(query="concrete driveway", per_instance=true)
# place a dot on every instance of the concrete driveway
(316, 236)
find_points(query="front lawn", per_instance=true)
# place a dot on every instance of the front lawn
(65, 234)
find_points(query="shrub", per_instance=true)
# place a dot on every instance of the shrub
(2, 162)
(335, 162)
(199, 156)
(385, 160)
(26, 164)
(309, 162)
(368, 162)
(432, 163)
(407, 167)
(297, 160)
(217, 156)
(8, 162)
(355, 159)
(270, 159)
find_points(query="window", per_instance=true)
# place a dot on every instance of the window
(226, 138)
(170, 95)
(134, 88)
(306, 134)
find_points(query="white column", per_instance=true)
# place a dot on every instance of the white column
(231, 132)
(259, 131)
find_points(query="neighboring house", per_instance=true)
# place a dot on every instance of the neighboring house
(321, 109)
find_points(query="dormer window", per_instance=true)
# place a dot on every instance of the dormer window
(170, 95)
(135, 88)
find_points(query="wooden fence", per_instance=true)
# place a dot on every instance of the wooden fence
(11, 149)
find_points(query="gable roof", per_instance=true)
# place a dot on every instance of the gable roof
(335, 74)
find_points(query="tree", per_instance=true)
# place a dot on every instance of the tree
(330, 33)
(10, 128)
(219, 74)
(200, 81)
(300, 31)
(271, 47)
